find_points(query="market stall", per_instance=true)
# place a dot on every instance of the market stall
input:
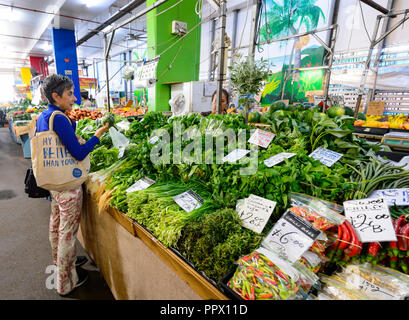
(303, 157)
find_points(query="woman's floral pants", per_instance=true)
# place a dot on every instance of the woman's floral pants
(64, 223)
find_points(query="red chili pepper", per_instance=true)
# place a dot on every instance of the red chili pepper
(346, 237)
(253, 297)
(266, 296)
(282, 275)
(274, 283)
(374, 248)
(393, 245)
(355, 247)
(402, 241)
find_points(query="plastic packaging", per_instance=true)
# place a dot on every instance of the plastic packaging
(323, 215)
(119, 141)
(264, 275)
(379, 283)
(363, 282)
(335, 288)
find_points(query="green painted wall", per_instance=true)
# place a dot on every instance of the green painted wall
(184, 56)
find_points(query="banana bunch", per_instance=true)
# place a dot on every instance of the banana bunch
(398, 122)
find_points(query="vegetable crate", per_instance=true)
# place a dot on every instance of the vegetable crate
(394, 156)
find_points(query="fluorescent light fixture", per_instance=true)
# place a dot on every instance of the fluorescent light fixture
(9, 14)
(46, 46)
(92, 3)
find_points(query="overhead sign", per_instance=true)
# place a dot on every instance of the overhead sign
(86, 83)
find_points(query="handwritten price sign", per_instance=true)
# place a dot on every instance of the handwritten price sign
(371, 219)
(255, 213)
(292, 236)
(326, 156)
(261, 138)
(141, 184)
(188, 200)
(399, 197)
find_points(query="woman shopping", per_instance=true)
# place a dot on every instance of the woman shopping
(66, 204)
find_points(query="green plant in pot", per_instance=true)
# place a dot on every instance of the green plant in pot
(248, 78)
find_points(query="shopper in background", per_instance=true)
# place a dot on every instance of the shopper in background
(86, 103)
(66, 205)
(224, 103)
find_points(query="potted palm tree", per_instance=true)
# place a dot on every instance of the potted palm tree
(248, 78)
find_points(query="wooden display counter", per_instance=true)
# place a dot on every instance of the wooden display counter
(134, 263)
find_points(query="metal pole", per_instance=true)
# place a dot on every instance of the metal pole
(393, 28)
(107, 71)
(222, 24)
(233, 40)
(211, 62)
(253, 28)
(331, 61)
(385, 27)
(331, 41)
(126, 81)
(367, 65)
(139, 14)
(131, 83)
(296, 35)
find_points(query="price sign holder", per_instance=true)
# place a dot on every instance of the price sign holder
(292, 236)
(148, 70)
(261, 138)
(371, 219)
(141, 184)
(189, 200)
(255, 213)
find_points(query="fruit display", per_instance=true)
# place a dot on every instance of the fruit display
(79, 114)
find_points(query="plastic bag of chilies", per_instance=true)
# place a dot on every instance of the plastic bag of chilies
(265, 275)
(323, 215)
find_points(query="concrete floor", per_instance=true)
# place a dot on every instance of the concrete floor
(25, 250)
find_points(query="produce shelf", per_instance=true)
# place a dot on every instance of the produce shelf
(101, 239)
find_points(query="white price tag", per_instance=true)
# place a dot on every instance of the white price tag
(399, 197)
(292, 236)
(262, 138)
(326, 156)
(141, 184)
(371, 288)
(235, 155)
(189, 200)
(371, 219)
(87, 128)
(153, 140)
(255, 212)
(278, 158)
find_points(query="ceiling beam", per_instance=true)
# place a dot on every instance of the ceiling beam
(57, 15)
(376, 6)
(121, 12)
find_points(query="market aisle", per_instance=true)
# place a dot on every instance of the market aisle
(25, 250)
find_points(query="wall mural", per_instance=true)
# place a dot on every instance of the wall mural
(281, 18)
